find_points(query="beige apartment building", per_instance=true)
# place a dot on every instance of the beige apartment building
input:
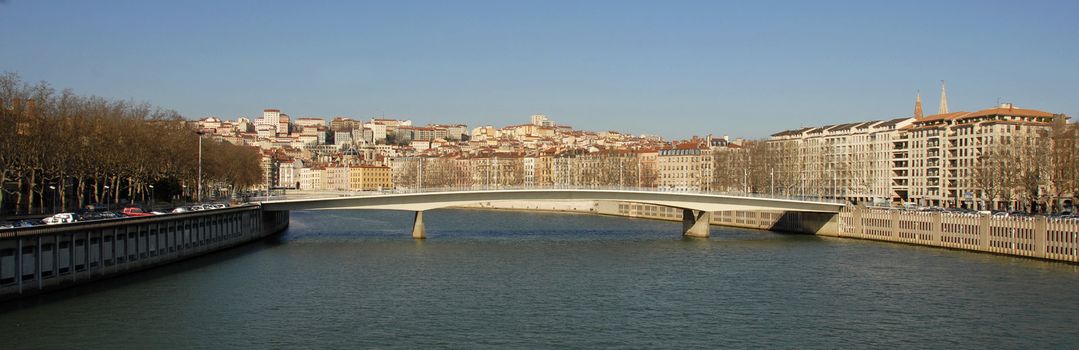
(853, 160)
(685, 167)
(370, 178)
(946, 151)
(925, 160)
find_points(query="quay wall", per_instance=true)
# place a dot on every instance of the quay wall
(45, 258)
(1034, 237)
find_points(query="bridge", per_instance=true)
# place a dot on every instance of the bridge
(696, 207)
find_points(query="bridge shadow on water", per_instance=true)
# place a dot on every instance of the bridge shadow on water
(127, 280)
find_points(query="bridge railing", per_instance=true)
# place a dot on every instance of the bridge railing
(305, 194)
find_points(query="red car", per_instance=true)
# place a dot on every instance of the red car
(135, 212)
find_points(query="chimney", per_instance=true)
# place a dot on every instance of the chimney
(29, 107)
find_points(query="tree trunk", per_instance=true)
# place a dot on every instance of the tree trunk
(3, 177)
(81, 186)
(116, 190)
(30, 193)
(97, 190)
(41, 193)
(61, 193)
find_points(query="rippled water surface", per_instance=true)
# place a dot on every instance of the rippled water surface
(501, 279)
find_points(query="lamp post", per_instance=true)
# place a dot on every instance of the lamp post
(745, 180)
(108, 206)
(151, 197)
(772, 185)
(198, 197)
(54, 200)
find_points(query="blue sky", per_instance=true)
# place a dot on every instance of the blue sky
(673, 68)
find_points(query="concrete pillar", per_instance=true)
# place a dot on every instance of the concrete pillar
(418, 230)
(937, 227)
(983, 232)
(1041, 233)
(695, 223)
(894, 223)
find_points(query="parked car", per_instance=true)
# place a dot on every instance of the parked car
(198, 207)
(218, 206)
(26, 223)
(181, 210)
(61, 218)
(134, 212)
(6, 226)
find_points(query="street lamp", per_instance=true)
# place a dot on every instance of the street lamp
(54, 200)
(108, 206)
(151, 197)
(198, 197)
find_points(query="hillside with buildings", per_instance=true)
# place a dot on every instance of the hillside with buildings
(999, 157)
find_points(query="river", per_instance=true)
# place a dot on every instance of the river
(511, 279)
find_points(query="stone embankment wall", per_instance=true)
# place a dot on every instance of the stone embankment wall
(43, 258)
(1036, 237)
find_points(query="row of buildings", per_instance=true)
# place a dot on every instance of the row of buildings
(313, 154)
(941, 159)
(930, 160)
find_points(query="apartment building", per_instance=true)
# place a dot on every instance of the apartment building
(687, 166)
(946, 151)
(370, 178)
(926, 160)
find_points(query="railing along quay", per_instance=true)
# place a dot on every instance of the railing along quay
(1037, 237)
(42, 258)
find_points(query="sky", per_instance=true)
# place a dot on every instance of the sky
(671, 68)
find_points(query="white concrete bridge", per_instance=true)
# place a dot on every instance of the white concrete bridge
(696, 207)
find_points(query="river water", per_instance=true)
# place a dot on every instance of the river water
(506, 279)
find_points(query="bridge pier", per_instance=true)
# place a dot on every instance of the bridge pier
(418, 230)
(695, 223)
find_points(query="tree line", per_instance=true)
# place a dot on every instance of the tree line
(61, 151)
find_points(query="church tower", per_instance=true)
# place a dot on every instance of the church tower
(943, 99)
(918, 105)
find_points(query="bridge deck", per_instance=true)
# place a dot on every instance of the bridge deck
(426, 200)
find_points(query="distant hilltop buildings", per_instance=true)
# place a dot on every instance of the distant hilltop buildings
(999, 157)
(311, 153)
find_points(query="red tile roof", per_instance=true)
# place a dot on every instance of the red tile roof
(1018, 112)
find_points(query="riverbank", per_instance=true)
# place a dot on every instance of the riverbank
(1041, 238)
(45, 258)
